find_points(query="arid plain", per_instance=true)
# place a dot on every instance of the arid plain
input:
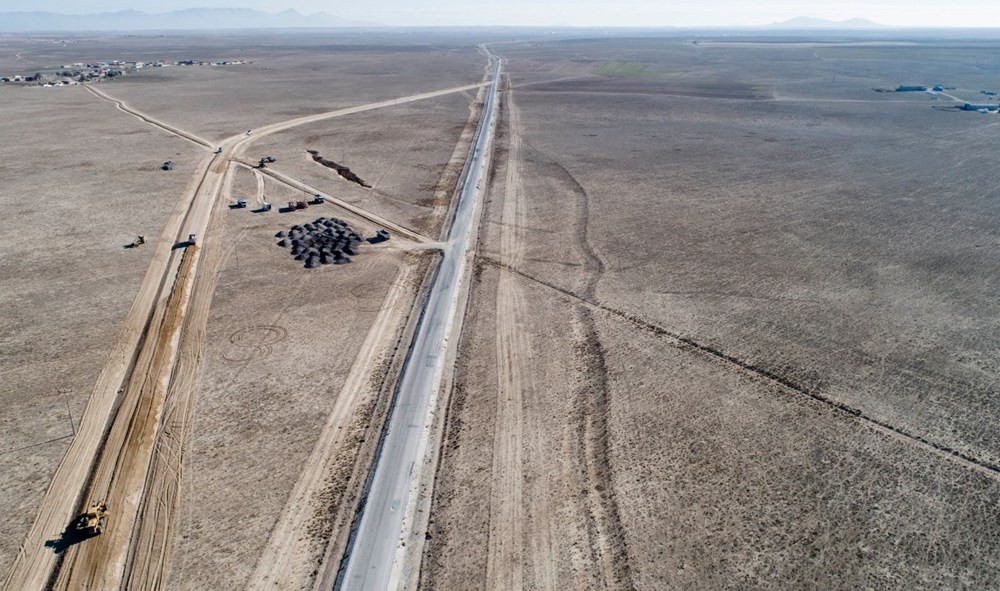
(734, 325)
(282, 375)
(731, 323)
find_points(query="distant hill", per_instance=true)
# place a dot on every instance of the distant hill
(809, 23)
(191, 18)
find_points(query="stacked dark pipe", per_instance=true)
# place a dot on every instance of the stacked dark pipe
(326, 241)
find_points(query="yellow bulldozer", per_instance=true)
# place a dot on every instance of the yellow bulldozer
(91, 522)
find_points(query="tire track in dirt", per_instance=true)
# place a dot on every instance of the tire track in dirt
(260, 186)
(288, 561)
(784, 383)
(152, 545)
(505, 560)
(607, 540)
(124, 459)
(124, 107)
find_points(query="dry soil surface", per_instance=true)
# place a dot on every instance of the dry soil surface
(739, 341)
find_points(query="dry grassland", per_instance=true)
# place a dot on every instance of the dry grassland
(410, 155)
(760, 337)
(279, 345)
(80, 180)
(292, 370)
(233, 99)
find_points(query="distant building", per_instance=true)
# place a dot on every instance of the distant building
(910, 88)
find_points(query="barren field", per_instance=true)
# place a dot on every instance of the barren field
(732, 322)
(754, 334)
(261, 427)
(409, 155)
(81, 180)
(279, 345)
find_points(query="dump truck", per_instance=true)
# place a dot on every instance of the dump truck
(265, 206)
(317, 199)
(241, 203)
(91, 522)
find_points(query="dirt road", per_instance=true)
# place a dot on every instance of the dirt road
(363, 213)
(117, 444)
(505, 563)
(123, 106)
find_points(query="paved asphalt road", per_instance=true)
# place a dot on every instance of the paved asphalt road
(372, 548)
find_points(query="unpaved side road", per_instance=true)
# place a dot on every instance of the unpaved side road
(363, 213)
(103, 564)
(123, 106)
(35, 560)
(505, 564)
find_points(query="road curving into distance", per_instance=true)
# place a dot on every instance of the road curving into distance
(370, 561)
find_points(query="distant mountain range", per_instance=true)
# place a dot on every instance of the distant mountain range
(809, 23)
(191, 18)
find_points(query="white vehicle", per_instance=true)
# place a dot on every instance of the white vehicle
(249, 131)
(217, 151)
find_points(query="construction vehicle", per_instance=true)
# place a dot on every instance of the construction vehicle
(240, 204)
(265, 206)
(317, 199)
(217, 151)
(191, 239)
(139, 241)
(91, 522)
(249, 131)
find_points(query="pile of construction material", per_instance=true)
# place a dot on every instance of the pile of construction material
(325, 241)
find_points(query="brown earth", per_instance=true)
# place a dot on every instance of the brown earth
(72, 205)
(753, 341)
(152, 452)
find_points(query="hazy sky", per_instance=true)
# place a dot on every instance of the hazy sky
(974, 13)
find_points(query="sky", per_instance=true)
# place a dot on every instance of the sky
(937, 13)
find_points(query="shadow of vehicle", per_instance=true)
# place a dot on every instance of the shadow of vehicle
(70, 536)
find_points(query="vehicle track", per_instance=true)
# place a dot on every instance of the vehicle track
(607, 540)
(362, 213)
(505, 555)
(123, 106)
(152, 536)
(104, 563)
(288, 561)
(783, 383)
(260, 186)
